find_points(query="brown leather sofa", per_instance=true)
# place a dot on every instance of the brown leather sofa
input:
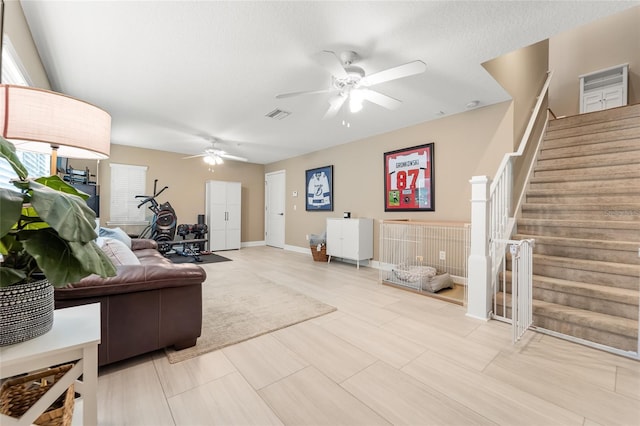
(144, 307)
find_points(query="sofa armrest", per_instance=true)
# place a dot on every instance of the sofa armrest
(143, 243)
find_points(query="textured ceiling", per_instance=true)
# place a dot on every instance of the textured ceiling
(174, 73)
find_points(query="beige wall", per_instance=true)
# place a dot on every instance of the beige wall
(602, 44)
(522, 73)
(186, 182)
(16, 28)
(467, 144)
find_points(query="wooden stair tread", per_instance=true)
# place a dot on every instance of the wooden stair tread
(596, 117)
(623, 295)
(573, 223)
(581, 242)
(594, 190)
(598, 127)
(588, 265)
(580, 207)
(609, 323)
(596, 320)
(568, 177)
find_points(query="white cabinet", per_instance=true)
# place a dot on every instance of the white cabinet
(223, 214)
(604, 89)
(350, 239)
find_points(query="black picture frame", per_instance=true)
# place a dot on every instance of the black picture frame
(409, 180)
(319, 189)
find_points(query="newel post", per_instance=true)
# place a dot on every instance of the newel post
(479, 282)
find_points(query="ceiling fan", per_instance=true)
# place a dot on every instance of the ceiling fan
(351, 82)
(214, 155)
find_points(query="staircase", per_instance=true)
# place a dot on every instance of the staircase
(582, 208)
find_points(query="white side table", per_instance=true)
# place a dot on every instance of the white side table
(75, 336)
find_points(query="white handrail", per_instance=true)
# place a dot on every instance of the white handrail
(527, 133)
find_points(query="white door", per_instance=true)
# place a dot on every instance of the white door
(274, 199)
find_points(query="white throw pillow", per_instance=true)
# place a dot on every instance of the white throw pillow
(119, 253)
(117, 234)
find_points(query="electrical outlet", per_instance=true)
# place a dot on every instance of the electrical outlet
(307, 237)
(443, 255)
(419, 258)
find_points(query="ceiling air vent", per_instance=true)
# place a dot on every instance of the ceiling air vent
(278, 114)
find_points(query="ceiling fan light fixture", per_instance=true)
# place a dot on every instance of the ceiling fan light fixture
(209, 159)
(219, 160)
(355, 101)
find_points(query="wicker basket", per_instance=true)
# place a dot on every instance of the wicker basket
(319, 255)
(19, 394)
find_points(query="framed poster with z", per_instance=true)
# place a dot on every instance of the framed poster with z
(319, 189)
(409, 179)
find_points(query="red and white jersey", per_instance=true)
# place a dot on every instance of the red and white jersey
(408, 171)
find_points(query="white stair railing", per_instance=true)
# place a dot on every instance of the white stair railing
(495, 221)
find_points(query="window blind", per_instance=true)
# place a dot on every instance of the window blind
(127, 181)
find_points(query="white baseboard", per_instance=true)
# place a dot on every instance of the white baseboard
(253, 244)
(297, 249)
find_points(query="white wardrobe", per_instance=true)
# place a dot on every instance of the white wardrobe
(223, 214)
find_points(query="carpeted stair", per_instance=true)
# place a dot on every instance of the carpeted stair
(583, 209)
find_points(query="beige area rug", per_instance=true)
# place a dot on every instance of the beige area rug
(241, 306)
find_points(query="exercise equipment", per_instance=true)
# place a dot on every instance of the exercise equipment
(163, 228)
(163, 224)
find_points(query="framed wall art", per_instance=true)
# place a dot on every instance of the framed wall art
(409, 179)
(319, 184)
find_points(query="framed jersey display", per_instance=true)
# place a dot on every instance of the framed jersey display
(408, 179)
(320, 189)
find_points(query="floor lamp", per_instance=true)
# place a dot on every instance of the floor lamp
(43, 121)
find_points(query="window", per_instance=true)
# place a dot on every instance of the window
(127, 181)
(37, 164)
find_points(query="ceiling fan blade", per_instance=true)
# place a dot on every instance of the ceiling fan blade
(380, 99)
(304, 92)
(232, 157)
(331, 62)
(195, 156)
(335, 103)
(401, 71)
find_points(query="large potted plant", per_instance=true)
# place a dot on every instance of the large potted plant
(47, 235)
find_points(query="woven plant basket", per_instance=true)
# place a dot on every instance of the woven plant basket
(19, 394)
(26, 311)
(319, 255)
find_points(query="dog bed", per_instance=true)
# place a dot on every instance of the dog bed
(426, 276)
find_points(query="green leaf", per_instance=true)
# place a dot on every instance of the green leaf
(68, 214)
(10, 207)
(8, 152)
(64, 262)
(54, 182)
(54, 257)
(93, 259)
(10, 276)
(8, 243)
